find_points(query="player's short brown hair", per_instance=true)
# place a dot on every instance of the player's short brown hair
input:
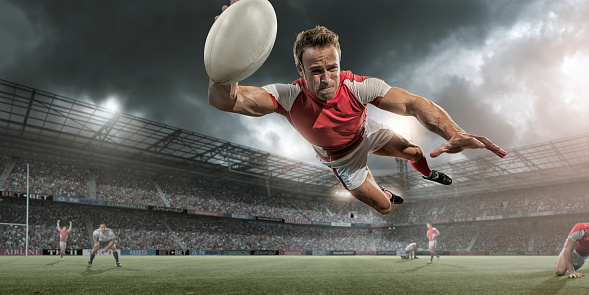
(317, 37)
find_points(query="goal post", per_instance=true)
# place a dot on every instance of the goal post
(26, 225)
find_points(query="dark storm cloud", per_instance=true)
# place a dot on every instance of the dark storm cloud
(149, 54)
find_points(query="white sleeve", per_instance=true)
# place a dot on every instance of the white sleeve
(285, 94)
(577, 235)
(368, 89)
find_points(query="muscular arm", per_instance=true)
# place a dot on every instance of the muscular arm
(430, 115)
(436, 120)
(245, 100)
(568, 256)
(70, 228)
(109, 244)
(436, 233)
(58, 228)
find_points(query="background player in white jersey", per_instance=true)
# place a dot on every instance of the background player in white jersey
(104, 238)
(411, 251)
(328, 108)
(432, 233)
(63, 238)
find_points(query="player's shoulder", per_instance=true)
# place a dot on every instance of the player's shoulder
(580, 226)
(348, 75)
(579, 231)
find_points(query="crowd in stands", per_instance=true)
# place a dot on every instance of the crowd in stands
(143, 230)
(124, 186)
(49, 178)
(137, 229)
(43, 233)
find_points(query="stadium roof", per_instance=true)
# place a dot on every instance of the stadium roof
(39, 124)
(555, 162)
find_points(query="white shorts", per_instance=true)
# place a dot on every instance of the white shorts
(351, 169)
(62, 244)
(432, 244)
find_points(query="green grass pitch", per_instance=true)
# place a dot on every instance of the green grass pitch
(286, 275)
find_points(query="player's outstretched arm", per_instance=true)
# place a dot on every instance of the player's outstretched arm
(70, 228)
(568, 258)
(245, 100)
(58, 228)
(437, 120)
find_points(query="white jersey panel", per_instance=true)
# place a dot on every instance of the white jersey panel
(107, 236)
(577, 235)
(285, 94)
(368, 89)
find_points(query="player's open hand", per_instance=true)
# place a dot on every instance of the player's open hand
(225, 7)
(462, 141)
(576, 275)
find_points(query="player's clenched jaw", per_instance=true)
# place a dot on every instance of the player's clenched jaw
(320, 69)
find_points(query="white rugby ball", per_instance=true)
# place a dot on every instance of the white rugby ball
(240, 40)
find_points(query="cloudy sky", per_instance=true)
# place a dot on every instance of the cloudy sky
(514, 71)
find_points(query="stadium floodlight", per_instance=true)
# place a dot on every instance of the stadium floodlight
(112, 103)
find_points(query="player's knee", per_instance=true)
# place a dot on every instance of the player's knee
(560, 272)
(384, 210)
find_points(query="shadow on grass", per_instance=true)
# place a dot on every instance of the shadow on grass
(89, 271)
(417, 268)
(52, 263)
(552, 285)
(450, 265)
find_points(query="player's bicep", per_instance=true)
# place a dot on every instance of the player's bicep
(570, 244)
(253, 101)
(398, 101)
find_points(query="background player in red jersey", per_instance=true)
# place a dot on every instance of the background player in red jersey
(328, 108)
(63, 238)
(575, 252)
(432, 233)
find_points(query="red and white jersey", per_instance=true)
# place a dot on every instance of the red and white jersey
(580, 233)
(334, 127)
(430, 233)
(63, 235)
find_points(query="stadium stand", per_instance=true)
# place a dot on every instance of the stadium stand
(79, 150)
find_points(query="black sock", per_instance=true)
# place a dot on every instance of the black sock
(92, 257)
(116, 255)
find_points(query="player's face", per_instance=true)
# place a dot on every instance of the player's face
(102, 227)
(63, 228)
(321, 68)
(429, 225)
